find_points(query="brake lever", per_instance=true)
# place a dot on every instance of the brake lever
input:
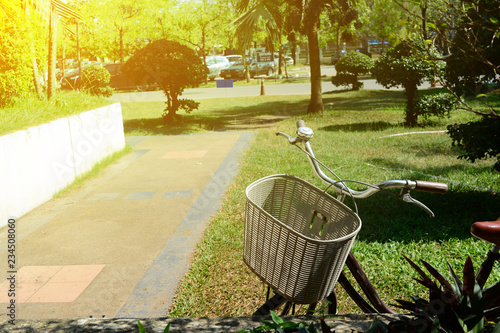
(290, 139)
(405, 196)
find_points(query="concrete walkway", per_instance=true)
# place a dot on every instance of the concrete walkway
(118, 246)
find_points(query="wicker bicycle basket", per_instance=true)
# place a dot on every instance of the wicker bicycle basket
(297, 237)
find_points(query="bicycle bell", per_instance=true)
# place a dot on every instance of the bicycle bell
(305, 133)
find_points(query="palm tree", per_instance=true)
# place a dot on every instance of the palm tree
(267, 11)
(57, 9)
(47, 11)
(310, 11)
(311, 22)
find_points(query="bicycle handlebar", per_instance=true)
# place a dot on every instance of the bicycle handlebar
(432, 187)
(304, 134)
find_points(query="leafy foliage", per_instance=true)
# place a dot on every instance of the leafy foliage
(278, 324)
(480, 139)
(474, 62)
(346, 79)
(355, 63)
(349, 67)
(16, 54)
(438, 105)
(457, 306)
(407, 64)
(95, 80)
(472, 68)
(174, 67)
(142, 330)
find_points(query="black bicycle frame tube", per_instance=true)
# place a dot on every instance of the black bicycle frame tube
(355, 296)
(487, 266)
(366, 286)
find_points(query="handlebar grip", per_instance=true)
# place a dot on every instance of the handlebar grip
(301, 123)
(431, 187)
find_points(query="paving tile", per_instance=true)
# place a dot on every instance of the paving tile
(40, 284)
(77, 273)
(140, 195)
(58, 292)
(36, 274)
(185, 154)
(104, 196)
(177, 194)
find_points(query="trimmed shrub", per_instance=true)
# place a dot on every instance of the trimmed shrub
(346, 79)
(478, 139)
(349, 67)
(438, 105)
(95, 80)
(408, 64)
(174, 67)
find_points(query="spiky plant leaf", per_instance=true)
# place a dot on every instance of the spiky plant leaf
(491, 296)
(450, 295)
(426, 281)
(469, 277)
(492, 314)
(458, 287)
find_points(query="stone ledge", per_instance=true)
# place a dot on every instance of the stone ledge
(341, 323)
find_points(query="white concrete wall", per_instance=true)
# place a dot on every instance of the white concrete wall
(37, 162)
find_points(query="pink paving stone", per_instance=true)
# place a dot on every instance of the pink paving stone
(62, 292)
(77, 273)
(185, 154)
(37, 284)
(36, 274)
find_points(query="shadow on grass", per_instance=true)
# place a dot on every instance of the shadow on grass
(359, 127)
(386, 219)
(224, 119)
(372, 100)
(257, 114)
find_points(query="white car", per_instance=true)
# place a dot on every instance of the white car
(215, 64)
(233, 58)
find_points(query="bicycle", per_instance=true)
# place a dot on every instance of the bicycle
(271, 191)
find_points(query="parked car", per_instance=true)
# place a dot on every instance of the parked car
(237, 71)
(233, 58)
(118, 80)
(336, 58)
(215, 64)
(374, 42)
(72, 79)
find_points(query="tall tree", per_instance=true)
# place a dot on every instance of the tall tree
(174, 67)
(264, 14)
(312, 10)
(57, 9)
(203, 25)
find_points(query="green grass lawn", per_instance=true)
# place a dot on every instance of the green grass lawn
(357, 138)
(33, 112)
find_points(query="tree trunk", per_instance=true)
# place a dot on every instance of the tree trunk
(121, 45)
(423, 9)
(36, 75)
(51, 73)
(316, 102)
(410, 117)
(170, 113)
(293, 44)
